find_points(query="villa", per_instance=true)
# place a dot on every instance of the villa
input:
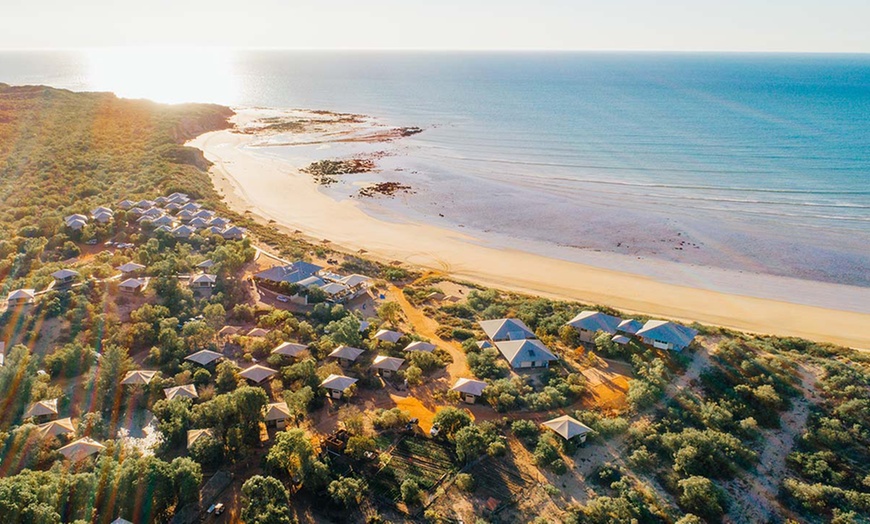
(291, 273)
(588, 323)
(530, 353)
(662, 334)
(130, 268)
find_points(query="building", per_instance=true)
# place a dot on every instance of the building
(205, 264)
(21, 297)
(198, 223)
(81, 448)
(64, 276)
(588, 323)
(204, 357)
(289, 349)
(43, 408)
(76, 225)
(103, 217)
(290, 274)
(346, 355)
(257, 373)
(130, 268)
(228, 331)
(276, 414)
(386, 366)
(662, 334)
(183, 232)
(506, 329)
(337, 385)
(258, 332)
(186, 391)
(469, 389)
(387, 335)
(132, 285)
(419, 345)
(568, 428)
(522, 354)
(56, 428)
(139, 377)
(203, 281)
(126, 205)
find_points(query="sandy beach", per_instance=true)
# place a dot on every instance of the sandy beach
(272, 188)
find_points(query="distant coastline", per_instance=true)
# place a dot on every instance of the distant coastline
(273, 188)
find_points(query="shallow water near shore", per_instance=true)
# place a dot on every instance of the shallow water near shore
(756, 163)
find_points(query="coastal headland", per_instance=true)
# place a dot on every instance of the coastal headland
(275, 190)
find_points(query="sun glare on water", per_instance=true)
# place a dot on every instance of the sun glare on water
(164, 75)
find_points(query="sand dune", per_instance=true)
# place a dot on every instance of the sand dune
(271, 189)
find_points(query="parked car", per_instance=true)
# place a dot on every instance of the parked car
(92, 242)
(435, 430)
(282, 298)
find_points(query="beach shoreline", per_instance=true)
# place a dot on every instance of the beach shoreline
(273, 189)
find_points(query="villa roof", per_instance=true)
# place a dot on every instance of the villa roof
(61, 426)
(130, 267)
(506, 329)
(334, 288)
(354, 280)
(291, 273)
(289, 349)
(195, 434)
(138, 376)
(388, 363)
(64, 274)
(277, 411)
(567, 427)
(530, 350)
(419, 345)
(81, 448)
(311, 281)
(630, 326)
(621, 339)
(219, 221)
(469, 386)
(204, 357)
(346, 353)
(41, 408)
(665, 331)
(388, 335)
(595, 321)
(186, 391)
(257, 373)
(338, 382)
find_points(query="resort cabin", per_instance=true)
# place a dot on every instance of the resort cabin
(662, 334)
(76, 225)
(228, 331)
(145, 204)
(183, 232)
(193, 207)
(289, 349)
(219, 222)
(132, 285)
(506, 329)
(136, 212)
(138, 377)
(21, 297)
(77, 216)
(178, 198)
(234, 233)
(205, 214)
(198, 223)
(130, 268)
(568, 428)
(469, 389)
(258, 333)
(419, 345)
(204, 357)
(386, 366)
(337, 385)
(387, 335)
(186, 391)
(164, 220)
(346, 355)
(185, 215)
(43, 408)
(81, 448)
(276, 415)
(194, 435)
(588, 323)
(56, 428)
(215, 230)
(103, 217)
(257, 373)
(291, 273)
(172, 207)
(152, 213)
(524, 354)
(64, 276)
(161, 201)
(126, 205)
(203, 281)
(205, 264)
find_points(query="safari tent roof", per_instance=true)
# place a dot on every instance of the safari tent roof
(186, 391)
(195, 434)
(567, 427)
(138, 376)
(595, 321)
(258, 332)
(22, 294)
(346, 353)
(130, 267)
(119, 520)
(518, 351)
(205, 264)
(277, 411)
(289, 349)
(132, 283)
(43, 407)
(229, 330)
(388, 363)
(81, 448)
(506, 329)
(419, 345)
(469, 386)
(257, 373)
(64, 274)
(388, 335)
(338, 382)
(203, 278)
(62, 426)
(679, 336)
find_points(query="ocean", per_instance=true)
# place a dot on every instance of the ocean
(747, 162)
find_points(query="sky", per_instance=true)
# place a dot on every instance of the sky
(669, 25)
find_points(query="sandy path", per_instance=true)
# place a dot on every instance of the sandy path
(272, 189)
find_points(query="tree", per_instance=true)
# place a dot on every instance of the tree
(347, 491)
(358, 446)
(113, 365)
(16, 381)
(266, 501)
(345, 331)
(470, 443)
(700, 496)
(227, 376)
(451, 420)
(173, 419)
(294, 454)
(410, 491)
(390, 312)
(186, 477)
